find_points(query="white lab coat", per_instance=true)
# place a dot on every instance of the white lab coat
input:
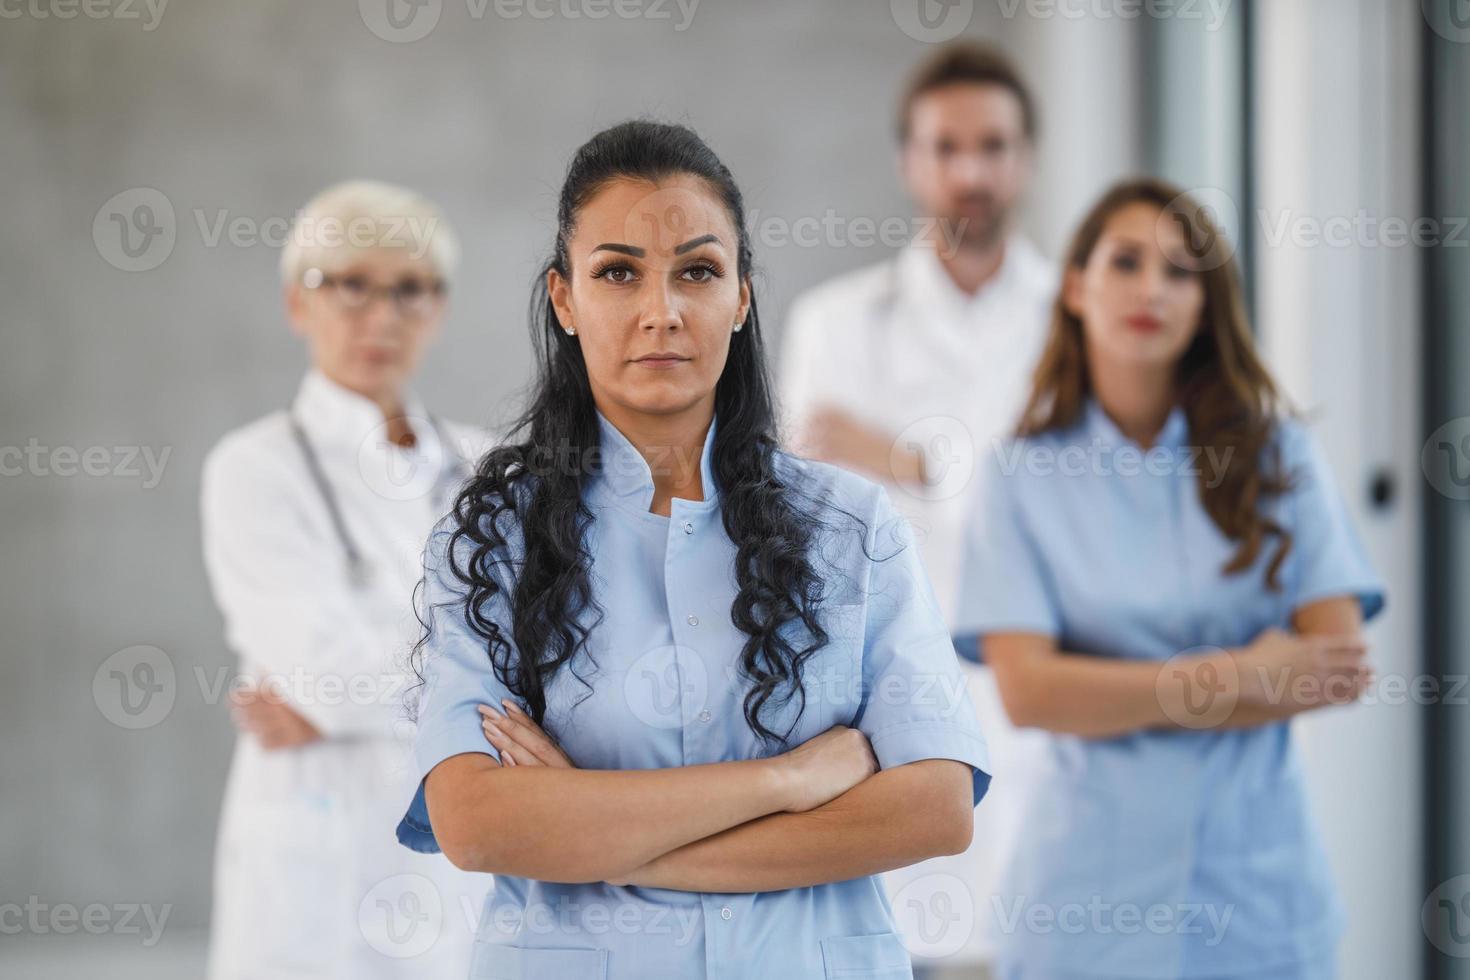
(309, 878)
(899, 346)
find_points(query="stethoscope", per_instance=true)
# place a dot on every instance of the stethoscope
(359, 569)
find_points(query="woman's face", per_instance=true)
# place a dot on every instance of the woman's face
(1138, 297)
(654, 293)
(360, 336)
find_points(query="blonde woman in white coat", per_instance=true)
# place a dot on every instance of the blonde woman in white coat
(314, 521)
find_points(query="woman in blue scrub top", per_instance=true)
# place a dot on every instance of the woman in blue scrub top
(1163, 575)
(720, 694)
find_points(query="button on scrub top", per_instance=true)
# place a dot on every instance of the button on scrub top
(1083, 536)
(664, 690)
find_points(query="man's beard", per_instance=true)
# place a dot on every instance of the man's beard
(982, 228)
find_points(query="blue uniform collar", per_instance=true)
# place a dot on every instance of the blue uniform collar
(624, 473)
(1103, 429)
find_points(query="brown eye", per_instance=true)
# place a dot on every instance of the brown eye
(614, 272)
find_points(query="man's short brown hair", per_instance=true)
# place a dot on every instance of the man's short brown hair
(966, 63)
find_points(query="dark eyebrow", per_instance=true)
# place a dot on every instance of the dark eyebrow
(694, 243)
(632, 250)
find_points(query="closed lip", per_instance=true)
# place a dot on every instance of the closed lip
(1145, 322)
(662, 356)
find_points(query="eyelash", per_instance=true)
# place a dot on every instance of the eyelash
(602, 271)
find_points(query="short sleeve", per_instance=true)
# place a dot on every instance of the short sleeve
(1327, 559)
(1004, 585)
(915, 702)
(457, 679)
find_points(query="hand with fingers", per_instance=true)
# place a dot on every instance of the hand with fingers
(837, 436)
(268, 717)
(1305, 671)
(519, 740)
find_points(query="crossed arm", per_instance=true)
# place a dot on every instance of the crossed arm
(895, 818)
(805, 818)
(1320, 662)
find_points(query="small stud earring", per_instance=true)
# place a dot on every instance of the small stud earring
(571, 331)
(738, 326)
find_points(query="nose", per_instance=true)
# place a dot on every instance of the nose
(1153, 282)
(379, 313)
(660, 308)
(969, 169)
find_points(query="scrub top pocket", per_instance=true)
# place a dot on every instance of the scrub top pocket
(495, 961)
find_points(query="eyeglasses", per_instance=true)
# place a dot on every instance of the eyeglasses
(412, 297)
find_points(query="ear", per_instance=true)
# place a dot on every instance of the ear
(744, 310)
(296, 312)
(560, 293)
(1072, 291)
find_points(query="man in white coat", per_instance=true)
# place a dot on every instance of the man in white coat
(907, 371)
(315, 518)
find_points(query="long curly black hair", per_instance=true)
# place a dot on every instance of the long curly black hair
(773, 524)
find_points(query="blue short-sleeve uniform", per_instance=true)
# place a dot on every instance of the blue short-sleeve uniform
(1161, 853)
(663, 690)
